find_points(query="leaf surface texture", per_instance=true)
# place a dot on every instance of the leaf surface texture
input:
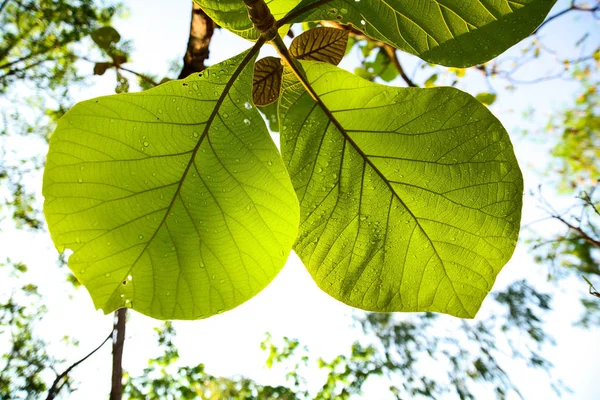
(175, 201)
(410, 198)
(321, 44)
(456, 33)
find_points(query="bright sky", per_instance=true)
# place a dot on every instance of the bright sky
(292, 305)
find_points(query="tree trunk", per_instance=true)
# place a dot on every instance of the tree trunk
(201, 32)
(116, 391)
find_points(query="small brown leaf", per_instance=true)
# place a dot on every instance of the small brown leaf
(321, 44)
(267, 80)
(101, 67)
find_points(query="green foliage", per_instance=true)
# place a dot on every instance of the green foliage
(165, 379)
(578, 149)
(453, 33)
(44, 53)
(25, 360)
(397, 352)
(410, 198)
(176, 203)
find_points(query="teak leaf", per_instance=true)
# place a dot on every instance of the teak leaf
(266, 84)
(233, 14)
(321, 44)
(455, 33)
(175, 201)
(410, 199)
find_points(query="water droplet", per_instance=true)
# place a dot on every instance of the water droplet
(146, 144)
(107, 275)
(248, 106)
(247, 121)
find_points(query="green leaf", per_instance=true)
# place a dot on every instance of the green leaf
(175, 201)
(449, 32)
(105, 37)
(430, 82)
(486, 98)
(410, 199)
(233, 14)
(321, 44)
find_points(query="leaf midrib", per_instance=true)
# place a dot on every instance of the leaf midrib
(253, 52)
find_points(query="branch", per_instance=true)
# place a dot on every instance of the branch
(120, 67)
(389, 49)
(116, 391)
(580, 232)
(573, 7)
(201, 32)
(593, 290)
(55, 389)
(141, 76)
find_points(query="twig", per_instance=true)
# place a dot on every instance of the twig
(573, 7)
(390, 50)
(55, 389)
(142, 76)
(119, 67)
(583, 235)
(593, 290)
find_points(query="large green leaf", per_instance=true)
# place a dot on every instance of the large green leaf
(449, 32)
(174, 201)
(410, 199)
(233, 14)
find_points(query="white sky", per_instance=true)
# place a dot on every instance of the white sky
(292, 305)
